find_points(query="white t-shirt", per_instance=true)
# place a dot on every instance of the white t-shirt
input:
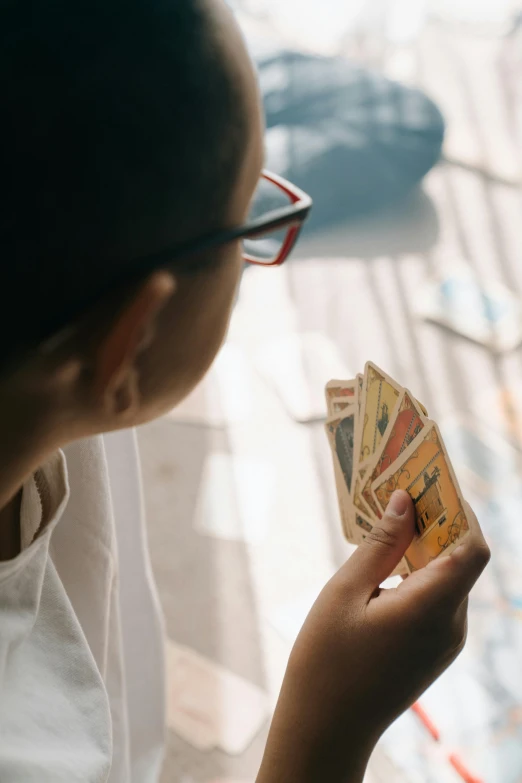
(81, 640)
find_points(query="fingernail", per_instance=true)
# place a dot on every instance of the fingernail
(398, 503)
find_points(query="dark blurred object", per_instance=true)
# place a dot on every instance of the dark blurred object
(353, 139)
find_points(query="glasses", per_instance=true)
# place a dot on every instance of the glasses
(277, 214)
(276, 217)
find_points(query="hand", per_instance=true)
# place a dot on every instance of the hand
(364, 654)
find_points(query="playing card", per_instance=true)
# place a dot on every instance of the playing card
(340, 431)
(357, 496)
(363, 523)
(346, 508)
(360, 382)
(405, 424)
(379, 398)
(358, 401)
(424, 471)
(339, 404)
(372, 423)
(337, 392)
(380, 395)
(423, 409)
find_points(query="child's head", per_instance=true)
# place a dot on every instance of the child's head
(128, 127)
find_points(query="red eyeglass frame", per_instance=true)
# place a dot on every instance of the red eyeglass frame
(298, 210)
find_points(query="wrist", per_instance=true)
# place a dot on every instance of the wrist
(282, 770)
(291, 757)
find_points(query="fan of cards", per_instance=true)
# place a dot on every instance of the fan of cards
(382, 440)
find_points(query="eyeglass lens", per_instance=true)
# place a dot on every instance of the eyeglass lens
(266, 248)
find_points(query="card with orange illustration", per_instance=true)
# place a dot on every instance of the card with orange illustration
(425, 472)
(405, 424)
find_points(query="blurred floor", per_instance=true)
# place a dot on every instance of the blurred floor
(237, 568)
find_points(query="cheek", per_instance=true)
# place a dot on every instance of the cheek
(189, 336)
(210, 306)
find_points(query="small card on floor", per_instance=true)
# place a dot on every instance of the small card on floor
(382, 440)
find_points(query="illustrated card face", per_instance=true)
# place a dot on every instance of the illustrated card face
(405, 425)
(380, 397)
(425, 472)
(339, 389)
(340, 431)
(344, 501)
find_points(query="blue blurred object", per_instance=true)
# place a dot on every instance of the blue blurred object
(352, 138)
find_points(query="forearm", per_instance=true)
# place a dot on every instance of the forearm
(305, 746)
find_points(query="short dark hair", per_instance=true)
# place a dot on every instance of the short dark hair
(115, 116)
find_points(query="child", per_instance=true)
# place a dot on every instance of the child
(132, 146)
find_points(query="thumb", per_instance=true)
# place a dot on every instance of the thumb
(383, 548)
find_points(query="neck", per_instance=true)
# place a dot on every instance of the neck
(21, 452)
(10, 533)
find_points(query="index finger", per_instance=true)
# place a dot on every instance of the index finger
(450, 578)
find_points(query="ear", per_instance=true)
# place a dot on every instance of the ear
(116, 381)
